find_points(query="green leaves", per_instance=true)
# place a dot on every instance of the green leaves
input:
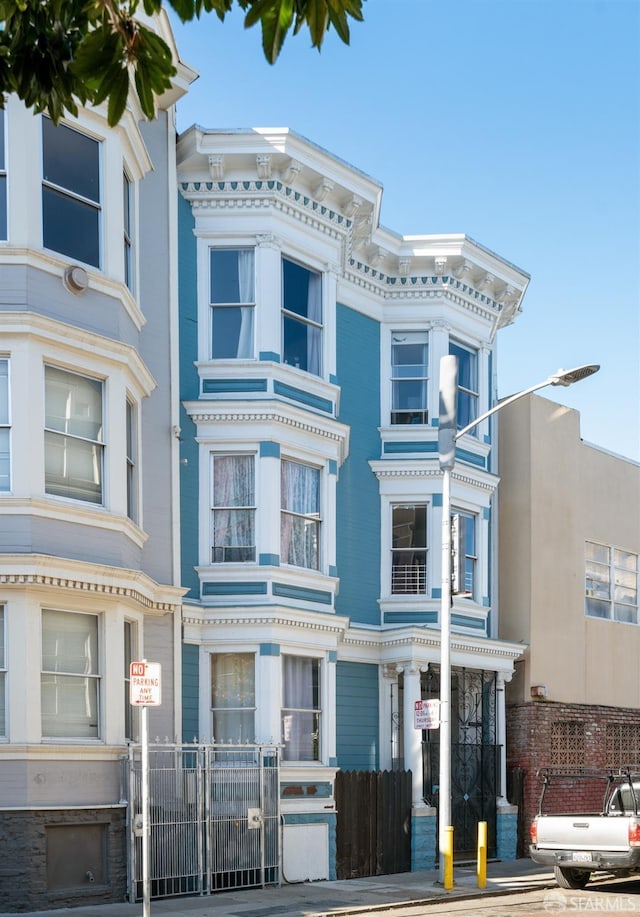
(56, 54)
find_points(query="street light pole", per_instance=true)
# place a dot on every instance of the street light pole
(448, 434)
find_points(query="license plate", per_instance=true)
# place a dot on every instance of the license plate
(580, 856)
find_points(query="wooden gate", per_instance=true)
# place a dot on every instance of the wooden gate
(373, 831)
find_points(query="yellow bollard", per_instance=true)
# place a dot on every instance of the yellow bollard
(482, 854)
(448, 859)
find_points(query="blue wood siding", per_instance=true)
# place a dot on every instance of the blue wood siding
(357, 716)
(190, 676)
(358, 500)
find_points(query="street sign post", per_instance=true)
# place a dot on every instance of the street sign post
(145, 690)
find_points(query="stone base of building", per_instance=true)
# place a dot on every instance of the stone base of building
(62, 858)
(550, 734)
(423, 838)
(507, 832)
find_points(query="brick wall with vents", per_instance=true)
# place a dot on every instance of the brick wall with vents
(571, 736)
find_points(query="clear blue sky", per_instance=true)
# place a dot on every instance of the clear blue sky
(516, 122)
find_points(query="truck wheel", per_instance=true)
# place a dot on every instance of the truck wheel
(571, 878)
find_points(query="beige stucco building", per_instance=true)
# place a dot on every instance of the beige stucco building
(569, 535)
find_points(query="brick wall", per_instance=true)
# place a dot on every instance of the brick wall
(571, 736)
(23, 860)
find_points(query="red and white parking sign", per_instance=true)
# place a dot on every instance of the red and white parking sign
(426, 714)
(145, 684)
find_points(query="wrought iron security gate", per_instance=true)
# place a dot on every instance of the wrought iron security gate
(475, 757)
(214, 817)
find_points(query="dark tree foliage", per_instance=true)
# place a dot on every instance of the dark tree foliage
(58, 54)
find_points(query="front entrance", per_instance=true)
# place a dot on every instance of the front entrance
(475, 756)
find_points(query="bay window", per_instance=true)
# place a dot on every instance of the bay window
(301, 709)
(71, 201)
(127, 203)
(70, 677)
(232, 302)
(233, 538)
(301, 317)
(409, 376)
(74, 446)
(5, 428)
(409, 549)
(468, 394)
(464, 559)
(3, 180)
(3, 677)
(233, 697)
(300, 515)
(130, 712)
(132, 475)
(612, 580)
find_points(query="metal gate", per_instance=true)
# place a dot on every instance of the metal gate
(475, 756)
(214, 818)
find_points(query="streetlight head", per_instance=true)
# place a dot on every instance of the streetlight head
(569, 376)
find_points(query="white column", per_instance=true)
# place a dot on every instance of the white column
(501, 728)
(268, 694)
(412, 737)
(268, 294)
(438, 348)
(329, 711)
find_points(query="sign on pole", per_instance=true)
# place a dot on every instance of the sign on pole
(145, 684)
(426, 714)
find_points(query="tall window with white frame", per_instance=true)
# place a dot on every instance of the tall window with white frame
(232, 303)
(409, 549)
(301, 708)
(5, 427)
(132, 474)
(3, 676)
(233, 513)
(233, 697)
(409, 377)
(301, 317)
(468, 392)
(464, 556)
(300, 515)
(3, 180)
(127, 213)
(70, 676)
(74, 446)
(130, 712)
(71, 196)
(612, 583)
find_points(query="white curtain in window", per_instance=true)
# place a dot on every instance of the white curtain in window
(300, 717)
(314, 314)
(300, 517)
(69, 679)
(246, 293)
(233, 696)
(233, 486)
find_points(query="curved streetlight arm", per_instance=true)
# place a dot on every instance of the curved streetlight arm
(448, 387)
(562, 377)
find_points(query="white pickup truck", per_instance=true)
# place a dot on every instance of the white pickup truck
(579, 844)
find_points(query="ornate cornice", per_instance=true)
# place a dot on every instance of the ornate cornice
(211, 617)
(200, 414)
(60, 582)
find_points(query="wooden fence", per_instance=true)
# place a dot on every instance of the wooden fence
(373, 833)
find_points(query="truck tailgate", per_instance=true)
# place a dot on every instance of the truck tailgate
(583, 832)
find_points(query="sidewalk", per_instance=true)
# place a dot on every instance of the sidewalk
(330, 899)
